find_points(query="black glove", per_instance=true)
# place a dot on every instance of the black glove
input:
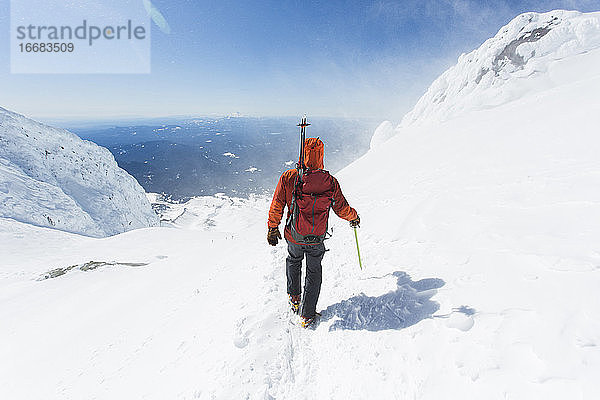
(273, 236)
(355, 223)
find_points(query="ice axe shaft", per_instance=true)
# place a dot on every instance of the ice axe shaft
(303, 124)
(357, 248)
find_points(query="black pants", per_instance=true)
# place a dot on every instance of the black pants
(312, 283)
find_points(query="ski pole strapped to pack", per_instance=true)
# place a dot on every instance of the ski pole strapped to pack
(303, 124)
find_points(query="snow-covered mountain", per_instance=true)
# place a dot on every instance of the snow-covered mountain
(479, 238)
(50, 177)
(524, 57)
(495, 189)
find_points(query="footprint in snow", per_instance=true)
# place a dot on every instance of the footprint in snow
(460, 318)
(240, 337)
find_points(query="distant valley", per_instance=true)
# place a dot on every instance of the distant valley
(237, 156)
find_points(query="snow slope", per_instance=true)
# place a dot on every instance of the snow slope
(50, 177)
(480, 244)
(502, 205)
(520, 59)
(384, 131)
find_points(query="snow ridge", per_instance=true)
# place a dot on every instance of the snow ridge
(517, 61)
(49, 177)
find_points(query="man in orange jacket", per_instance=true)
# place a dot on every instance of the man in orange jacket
(314, 251)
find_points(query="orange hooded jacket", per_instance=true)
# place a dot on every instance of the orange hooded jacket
(313, 159)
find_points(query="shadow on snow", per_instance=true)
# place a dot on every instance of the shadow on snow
(408, 304)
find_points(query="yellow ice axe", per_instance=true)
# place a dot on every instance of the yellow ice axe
(357, 248)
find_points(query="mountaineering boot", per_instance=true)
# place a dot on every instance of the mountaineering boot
(294, 300)
(306, 322)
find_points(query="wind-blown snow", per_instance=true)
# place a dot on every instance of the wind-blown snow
(384, 131)
(479, 237)
(50, 177)
(520, 59)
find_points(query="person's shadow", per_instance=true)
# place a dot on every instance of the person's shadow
(408, 304)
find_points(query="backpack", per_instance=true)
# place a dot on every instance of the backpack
(311, 202)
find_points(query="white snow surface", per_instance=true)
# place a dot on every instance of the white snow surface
(384, 131)
(50, 177)
(479, 238)
(520, 59)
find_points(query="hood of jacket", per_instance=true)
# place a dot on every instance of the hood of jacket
(314, 151)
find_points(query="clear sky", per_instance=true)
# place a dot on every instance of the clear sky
(281, 57)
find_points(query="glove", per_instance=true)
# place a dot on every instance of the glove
(273, 236)
(355, 223)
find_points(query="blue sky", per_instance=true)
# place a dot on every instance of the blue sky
(327, 58)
